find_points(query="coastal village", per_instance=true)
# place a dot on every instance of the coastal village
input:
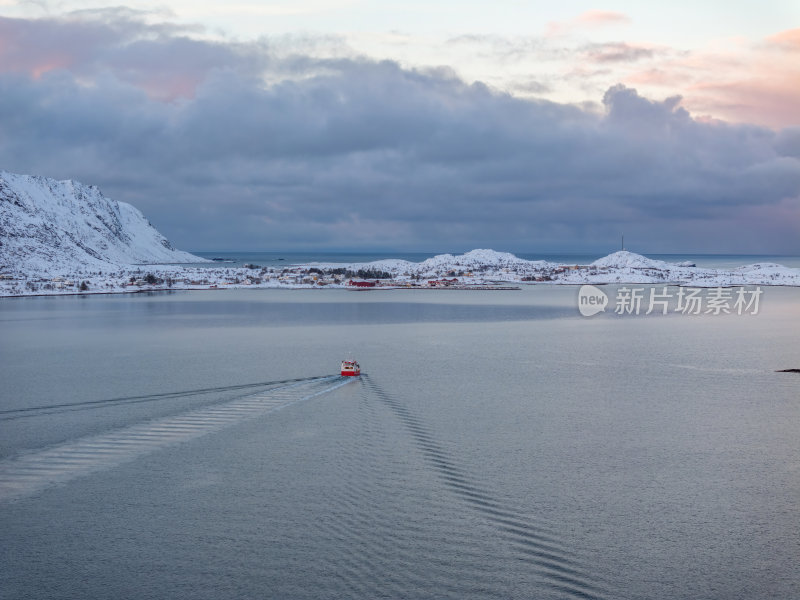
(475, 270)
(159, 277)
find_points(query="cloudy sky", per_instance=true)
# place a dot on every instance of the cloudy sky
(524, 126)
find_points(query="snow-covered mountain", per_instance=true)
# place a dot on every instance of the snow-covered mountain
(49, 226)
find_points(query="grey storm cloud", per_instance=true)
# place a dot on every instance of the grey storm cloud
(248, 146)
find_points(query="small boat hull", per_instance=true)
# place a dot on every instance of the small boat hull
(350, 368)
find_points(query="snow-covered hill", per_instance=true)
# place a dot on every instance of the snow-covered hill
(619, 267)
(49, 227)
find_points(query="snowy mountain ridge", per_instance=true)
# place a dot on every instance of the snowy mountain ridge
(50, 226)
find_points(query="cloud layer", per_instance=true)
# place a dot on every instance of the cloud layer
(264, 146)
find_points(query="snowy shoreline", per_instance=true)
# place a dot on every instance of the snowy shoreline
(64, 238)
(478, 269)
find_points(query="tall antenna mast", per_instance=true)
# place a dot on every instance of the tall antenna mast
(622, 244)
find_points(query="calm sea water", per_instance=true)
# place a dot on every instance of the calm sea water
(499, 446)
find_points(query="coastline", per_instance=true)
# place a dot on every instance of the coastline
(475, 270)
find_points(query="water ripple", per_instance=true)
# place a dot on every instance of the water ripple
(537, 544)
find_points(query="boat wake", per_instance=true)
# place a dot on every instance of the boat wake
(50, 409)
(537, 544)
(31, 472)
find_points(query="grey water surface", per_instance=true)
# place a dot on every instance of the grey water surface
(499, 445)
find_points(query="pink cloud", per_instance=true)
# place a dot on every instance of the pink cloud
(744, 82)
(588, 19)
(790, 38)
(767, 102)
(658, 77)
(157, 59)
(601, 17)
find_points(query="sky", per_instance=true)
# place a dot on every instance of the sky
(523, 126)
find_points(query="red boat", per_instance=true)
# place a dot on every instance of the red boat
(350, 368)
